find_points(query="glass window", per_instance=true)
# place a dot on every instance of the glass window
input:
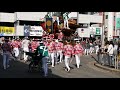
(106, 16)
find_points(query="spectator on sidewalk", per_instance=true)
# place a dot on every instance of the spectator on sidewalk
(87, 48)
(105, 56)
(110, 53)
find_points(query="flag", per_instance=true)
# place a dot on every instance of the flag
(26, 31)
(49, 25)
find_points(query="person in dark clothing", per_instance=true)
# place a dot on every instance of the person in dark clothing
(6, 53)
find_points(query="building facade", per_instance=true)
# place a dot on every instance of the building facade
(13, 23)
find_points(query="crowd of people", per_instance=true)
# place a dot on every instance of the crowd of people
(54, 50)
(109, 53)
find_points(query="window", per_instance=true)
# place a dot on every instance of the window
(32, 23)
(83, 12)
(106, 17)
(9, 24)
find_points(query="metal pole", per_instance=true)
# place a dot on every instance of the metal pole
(77, 18)
(103, 27)
(115, 63)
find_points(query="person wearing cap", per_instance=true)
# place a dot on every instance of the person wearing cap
(68, 53)
(78, 50)
(6, 53)
(59, 49)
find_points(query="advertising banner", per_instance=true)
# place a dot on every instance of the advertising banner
(49, 25)
(7, 31)
(36, 31)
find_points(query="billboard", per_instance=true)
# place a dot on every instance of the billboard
(7, 31)
(36, 31)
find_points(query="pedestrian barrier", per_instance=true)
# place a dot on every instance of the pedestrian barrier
(108, 60)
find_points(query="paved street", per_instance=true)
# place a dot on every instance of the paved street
(19, 69)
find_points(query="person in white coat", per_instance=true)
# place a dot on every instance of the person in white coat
(110, 53)
(25, 46)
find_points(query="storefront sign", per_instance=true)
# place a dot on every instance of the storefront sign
(7, 31)
(36, 31)
(83, 32)
(97, 31)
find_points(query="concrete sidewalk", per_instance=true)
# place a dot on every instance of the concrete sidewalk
(107, 68)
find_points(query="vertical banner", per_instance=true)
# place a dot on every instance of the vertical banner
(26, 31)
(49, 25)
(118, 23)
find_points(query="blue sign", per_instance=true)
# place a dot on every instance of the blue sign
(26, 31)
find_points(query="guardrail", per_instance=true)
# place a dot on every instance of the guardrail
(108, 60)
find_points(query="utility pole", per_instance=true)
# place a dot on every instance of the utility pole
(103, 27)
